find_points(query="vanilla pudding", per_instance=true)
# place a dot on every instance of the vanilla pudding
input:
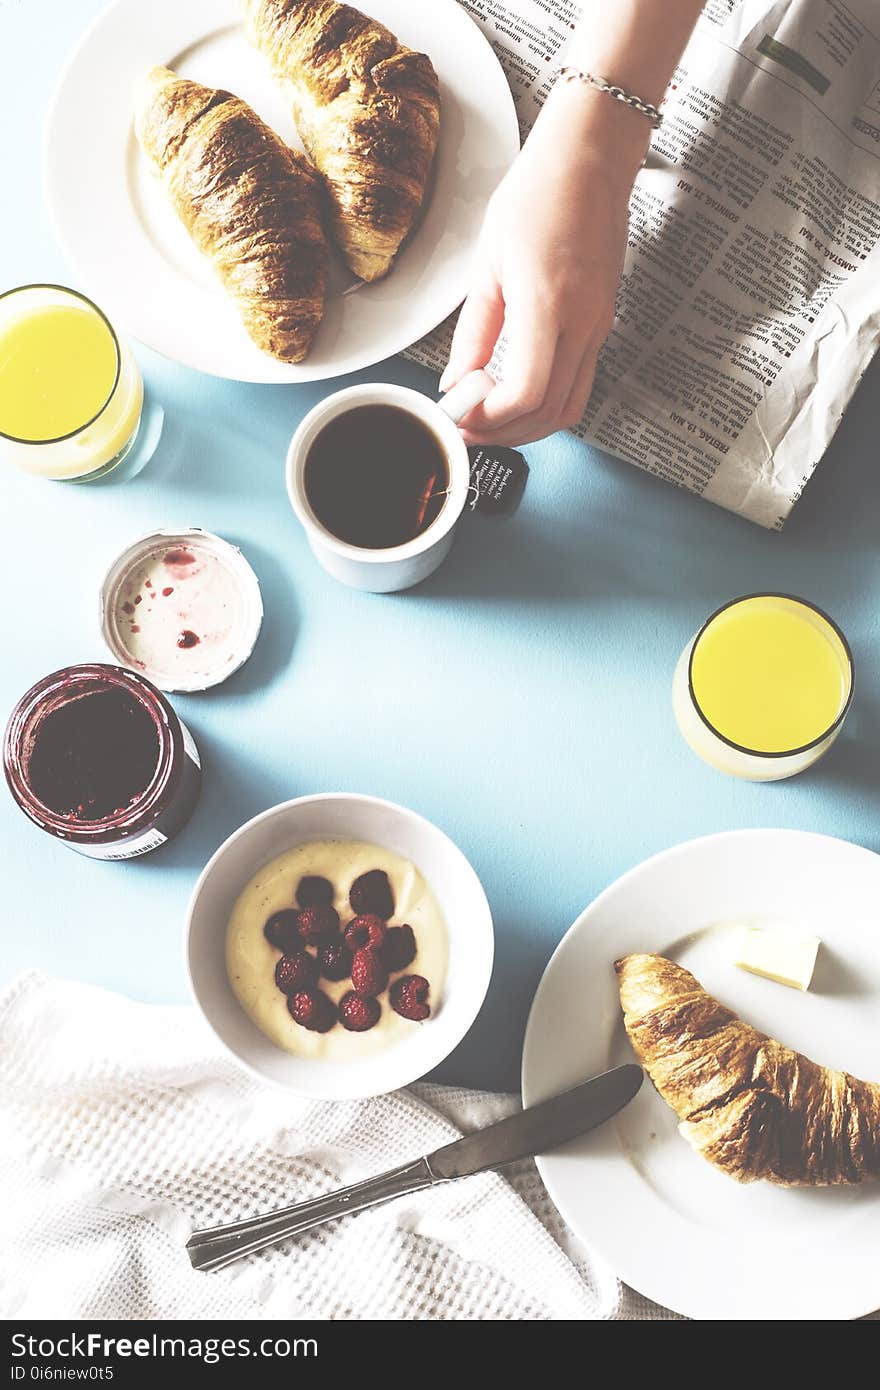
(251, 960)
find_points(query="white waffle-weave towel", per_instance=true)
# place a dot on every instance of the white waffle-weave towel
(123, 1127)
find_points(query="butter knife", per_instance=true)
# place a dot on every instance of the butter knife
(535, 1130)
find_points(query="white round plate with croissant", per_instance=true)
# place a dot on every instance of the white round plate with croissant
(745, 1182)
(277, 190)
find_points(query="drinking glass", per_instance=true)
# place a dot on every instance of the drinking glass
(762, 690)
(71, 392)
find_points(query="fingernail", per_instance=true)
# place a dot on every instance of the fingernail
(447, 380)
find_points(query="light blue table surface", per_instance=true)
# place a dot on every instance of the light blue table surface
(520, 698)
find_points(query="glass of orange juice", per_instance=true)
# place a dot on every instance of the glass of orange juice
(762, 690)
(71, 392)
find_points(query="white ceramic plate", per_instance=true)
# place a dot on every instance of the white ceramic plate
(668, 1223)
(131, 253)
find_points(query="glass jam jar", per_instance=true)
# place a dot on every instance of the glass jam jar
(96, 756)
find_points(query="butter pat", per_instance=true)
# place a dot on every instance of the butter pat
(778, 953)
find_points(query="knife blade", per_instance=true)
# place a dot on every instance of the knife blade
(539, 1128)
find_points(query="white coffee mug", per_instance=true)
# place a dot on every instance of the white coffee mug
(400, 566)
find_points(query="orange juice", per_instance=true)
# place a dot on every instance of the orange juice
(58, 367)
(70, 393)
(762, 689)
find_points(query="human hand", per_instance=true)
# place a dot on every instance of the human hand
(547, 271)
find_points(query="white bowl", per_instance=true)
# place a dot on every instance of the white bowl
(347, 816)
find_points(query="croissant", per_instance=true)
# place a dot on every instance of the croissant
(249, 203)
(368, 112)
(749, 1105)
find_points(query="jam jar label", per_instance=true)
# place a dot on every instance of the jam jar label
(189, 744)
(128, 849)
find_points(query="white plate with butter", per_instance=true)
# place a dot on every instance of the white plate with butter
(126, 245)
(666, 1221)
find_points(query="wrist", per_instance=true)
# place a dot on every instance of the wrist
(595, 131)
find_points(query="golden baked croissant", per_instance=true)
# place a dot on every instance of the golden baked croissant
(249, 203)
(749, 1105)
(368, 112)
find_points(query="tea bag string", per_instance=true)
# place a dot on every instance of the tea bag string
(428, 494)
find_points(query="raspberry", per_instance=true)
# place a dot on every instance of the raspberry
(399, 950)
(314, 891)
(408, 997)
(334, 960)
(282, 930)
(358, 1014)
(313, 1010)
(366, 931)
(369, 974)
(296, 971)
(371, 893)
(317, 923)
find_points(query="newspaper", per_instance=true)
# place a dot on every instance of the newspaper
(749, 306)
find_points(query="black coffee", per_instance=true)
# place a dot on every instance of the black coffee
(376, 477)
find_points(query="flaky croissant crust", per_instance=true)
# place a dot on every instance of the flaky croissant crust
(368, 112)
(751, 1106)
(250, 204)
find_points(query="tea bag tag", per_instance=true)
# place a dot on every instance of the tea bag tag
(498, 480)
(498, 475)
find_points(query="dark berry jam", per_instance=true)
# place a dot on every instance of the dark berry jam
(94, 756)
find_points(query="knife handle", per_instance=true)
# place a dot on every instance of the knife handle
(220, 1246)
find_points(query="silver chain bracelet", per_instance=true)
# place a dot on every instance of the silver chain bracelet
(645, 108)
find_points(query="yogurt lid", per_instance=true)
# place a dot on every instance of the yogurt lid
(183, 607)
